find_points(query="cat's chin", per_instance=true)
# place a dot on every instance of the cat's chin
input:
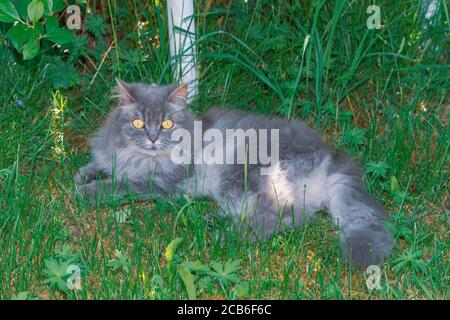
(151, 152)
(154, 152)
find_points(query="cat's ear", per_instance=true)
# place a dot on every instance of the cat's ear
(179, 95)
(122, 91)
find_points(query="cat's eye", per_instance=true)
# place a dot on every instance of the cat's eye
(167, 124)
(138, 124)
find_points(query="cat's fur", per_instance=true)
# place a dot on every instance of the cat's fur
(309, 177)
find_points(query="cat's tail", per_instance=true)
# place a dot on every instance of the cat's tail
(364, 236)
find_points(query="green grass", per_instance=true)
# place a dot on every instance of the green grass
(382, 95)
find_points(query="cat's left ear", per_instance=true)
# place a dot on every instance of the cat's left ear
(179, 95)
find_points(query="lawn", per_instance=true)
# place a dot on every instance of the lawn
(380, 94)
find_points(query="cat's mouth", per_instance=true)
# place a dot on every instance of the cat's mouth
(152, 149)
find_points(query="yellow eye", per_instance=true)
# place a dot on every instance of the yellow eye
(138, 124)
(167, 124)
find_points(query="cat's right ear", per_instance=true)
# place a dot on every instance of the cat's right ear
(178, 95)
(122, 92)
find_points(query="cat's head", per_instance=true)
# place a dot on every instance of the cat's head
(147, 115)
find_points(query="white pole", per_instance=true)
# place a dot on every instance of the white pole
(182, 39)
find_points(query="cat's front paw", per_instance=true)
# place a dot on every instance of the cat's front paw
(86, 174)
(101, 191)
(78, 179)
(82, 177)
(367, 247)
(87, 191)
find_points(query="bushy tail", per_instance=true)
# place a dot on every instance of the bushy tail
(364, 235)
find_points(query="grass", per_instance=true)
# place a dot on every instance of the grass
(380, 94)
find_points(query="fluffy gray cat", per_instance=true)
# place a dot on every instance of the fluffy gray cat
(131, 154)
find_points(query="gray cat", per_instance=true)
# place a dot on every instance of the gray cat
(131, 154)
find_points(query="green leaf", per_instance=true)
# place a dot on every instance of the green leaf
(65, 253)
(24, 295)
(8, 12)
(96, 25)
(19, 35)
(57, 274)
(120, 262)
(60, 36)
(21, 6)
(48, 4)
(78, 47)
(31, 49)
(377, 168)
(57, 34)
(206, 284)
(354, 137)
(227, 273)
(40, 28)
(35, 10)
(241, 289)
(196, 266)
(59, 5)
(51, 24)
(172, 248)
(188, 280)
(394, 184)
(232, 266)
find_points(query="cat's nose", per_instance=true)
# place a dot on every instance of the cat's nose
(153, 139)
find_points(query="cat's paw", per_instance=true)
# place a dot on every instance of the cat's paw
(103, 192)
(86, 174)
(81, 177)
(78, 179)
(367, 247)
(88, 192)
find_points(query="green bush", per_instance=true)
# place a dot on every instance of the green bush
(33, 22)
